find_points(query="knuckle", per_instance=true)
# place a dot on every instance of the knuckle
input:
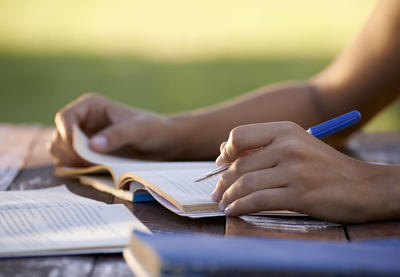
(63, 114)
(288, 127)
(89, 95)
(296, 173)
(236, 136)
(245, 181)
(222, 183)
(90, 98)
(59, 115)
(236, 168)
(292, 148)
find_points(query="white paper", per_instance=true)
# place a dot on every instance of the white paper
(119, 165)
(53, 220)
(181, 186)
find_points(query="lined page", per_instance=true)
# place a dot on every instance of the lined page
(57, 220)
(180, 185)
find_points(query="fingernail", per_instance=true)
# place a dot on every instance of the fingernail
(228, 210)
(214, 195)
(218, 161)
(221, 206)
(99, 142)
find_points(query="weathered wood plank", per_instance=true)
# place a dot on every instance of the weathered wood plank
(235, 226)
(159, 219)
(15, 142)
(38, 173)
(375, 230)
(381, 148)
(111, 265)
(47, 266)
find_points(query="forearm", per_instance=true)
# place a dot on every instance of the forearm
(364, 77)
(202, 131)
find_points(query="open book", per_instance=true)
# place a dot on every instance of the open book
(54, 221)
(170, 183)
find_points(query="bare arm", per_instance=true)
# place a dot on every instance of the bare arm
(365, 76)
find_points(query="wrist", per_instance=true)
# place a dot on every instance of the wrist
(191, 139)
(182, 135)
(383, 181)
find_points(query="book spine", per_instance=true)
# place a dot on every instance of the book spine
(218, 271)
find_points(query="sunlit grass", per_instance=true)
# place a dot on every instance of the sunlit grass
(37, 86)
(166, 56)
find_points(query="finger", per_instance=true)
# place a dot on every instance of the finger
(264, 200)
(134, 131)
(263, 158)
(72, 114)
(60, 157)
(222, 146)
(62, 153)
(252, 182)
(86, 111)
(248, 137)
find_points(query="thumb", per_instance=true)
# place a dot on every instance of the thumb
(110, 138)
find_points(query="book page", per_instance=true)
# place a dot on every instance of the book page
(181, 186)
(119, 165)
(174, 209)
(53, 220)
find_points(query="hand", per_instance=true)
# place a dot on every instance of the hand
(111, 126)
(295, 171)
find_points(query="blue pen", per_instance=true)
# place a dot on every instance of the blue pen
(319, 131)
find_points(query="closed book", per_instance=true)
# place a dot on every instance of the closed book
(199, 255)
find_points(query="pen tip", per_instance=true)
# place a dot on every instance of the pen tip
(199, 179)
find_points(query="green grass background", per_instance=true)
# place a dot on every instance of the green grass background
(167, 56)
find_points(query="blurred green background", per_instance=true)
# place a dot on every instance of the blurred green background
(167, 56)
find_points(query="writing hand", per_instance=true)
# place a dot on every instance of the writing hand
(295, 171)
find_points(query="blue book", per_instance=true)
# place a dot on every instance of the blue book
(200, 255)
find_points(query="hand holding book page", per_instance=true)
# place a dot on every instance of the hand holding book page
(55, 221)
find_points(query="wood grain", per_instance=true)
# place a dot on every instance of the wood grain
(236, 226)
(375, 230)
(37, 173)
(15, 143)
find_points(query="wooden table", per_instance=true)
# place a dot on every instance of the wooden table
(23, 148)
